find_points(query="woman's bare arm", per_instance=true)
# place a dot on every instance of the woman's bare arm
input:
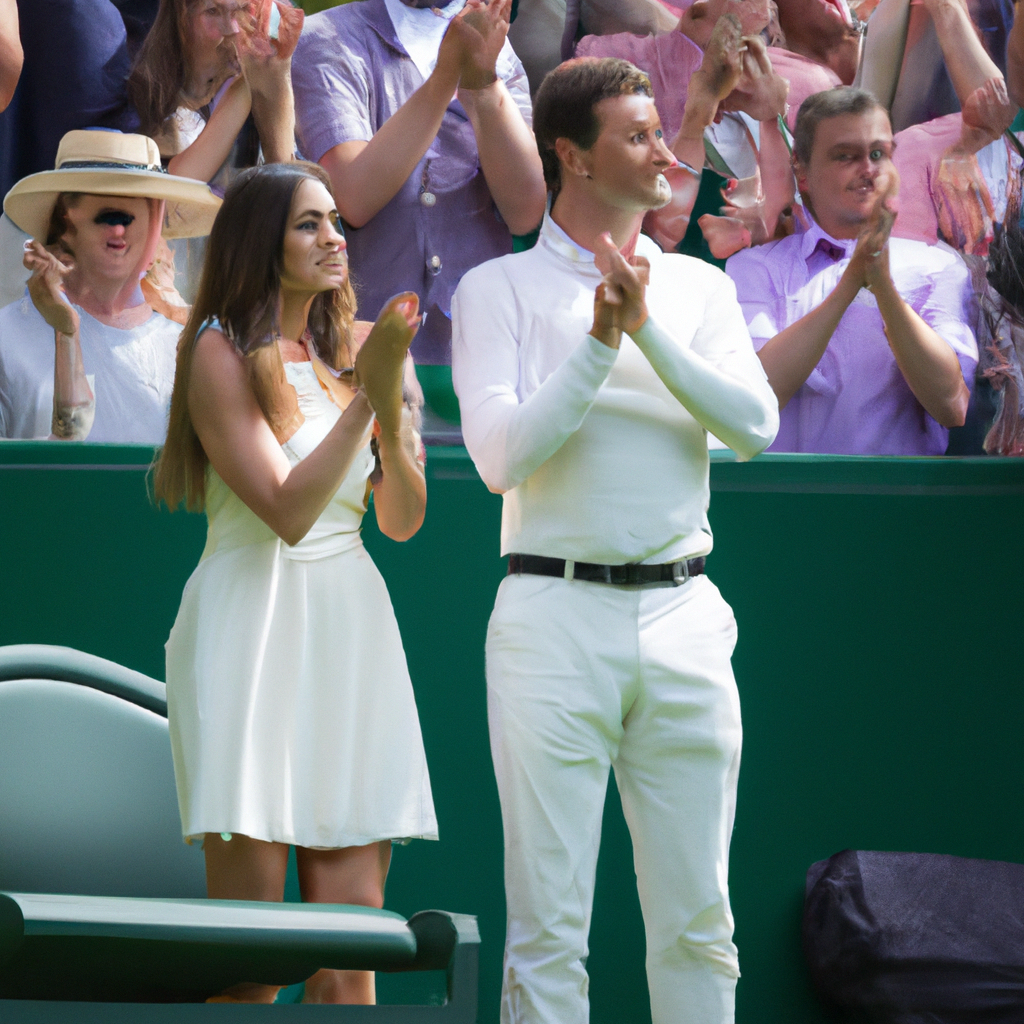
(204, 157)
(400, 493)
(245, 453)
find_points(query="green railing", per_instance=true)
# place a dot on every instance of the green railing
(880, 606)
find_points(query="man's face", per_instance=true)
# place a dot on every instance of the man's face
(107, 235)
(629, 157)
(851, 165)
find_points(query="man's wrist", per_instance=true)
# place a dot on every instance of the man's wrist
(480, 96)
(478, 82)
(635, 328)
(610, 337)
(442, 84)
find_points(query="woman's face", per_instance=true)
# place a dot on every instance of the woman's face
(314, 248)
(108, 235)
(212, 28)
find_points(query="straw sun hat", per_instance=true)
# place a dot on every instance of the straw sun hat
(112, 164)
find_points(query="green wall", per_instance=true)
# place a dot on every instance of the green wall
(879, 602)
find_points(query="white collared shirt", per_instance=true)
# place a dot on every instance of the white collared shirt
(598, 460)
(421, 29)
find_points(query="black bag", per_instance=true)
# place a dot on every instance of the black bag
(916, 938)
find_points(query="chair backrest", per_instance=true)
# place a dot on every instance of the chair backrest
(87, 797)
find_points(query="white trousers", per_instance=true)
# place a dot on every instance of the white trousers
(580, 677)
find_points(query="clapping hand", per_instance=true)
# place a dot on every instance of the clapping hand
(871, 255)
(262, 58)
(380, 362)
(619, 303)
(46, 288)
(477, 34)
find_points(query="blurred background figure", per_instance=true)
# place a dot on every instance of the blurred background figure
(75, 64)
(543, 31)
(213, 89)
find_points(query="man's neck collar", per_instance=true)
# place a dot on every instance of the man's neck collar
(577, 225)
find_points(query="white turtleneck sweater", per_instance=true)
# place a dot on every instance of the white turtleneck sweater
(601, 454)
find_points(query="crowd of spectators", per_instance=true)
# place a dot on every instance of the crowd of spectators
(854, 166)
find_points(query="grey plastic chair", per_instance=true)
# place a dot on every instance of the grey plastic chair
(102, 916)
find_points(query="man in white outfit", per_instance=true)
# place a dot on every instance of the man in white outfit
(588, 386)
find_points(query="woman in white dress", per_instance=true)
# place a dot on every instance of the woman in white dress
(292, 715)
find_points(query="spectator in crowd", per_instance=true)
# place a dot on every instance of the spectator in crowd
(544, 30)
(12, 56)
(82, 355)
(213, 88)
(906, 63)
(958, 171)
(204, 66)
(823, 32)
(75, 63)
(857, 368)
(421, 118)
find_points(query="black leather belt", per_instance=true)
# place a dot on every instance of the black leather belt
(621, 575)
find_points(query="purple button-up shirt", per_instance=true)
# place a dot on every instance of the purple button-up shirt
(856, 401)
(350, 74)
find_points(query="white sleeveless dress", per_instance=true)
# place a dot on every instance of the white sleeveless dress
(292, 715)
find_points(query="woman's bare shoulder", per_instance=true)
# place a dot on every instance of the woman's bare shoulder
(215, 361)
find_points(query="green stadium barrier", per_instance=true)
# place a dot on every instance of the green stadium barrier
(879, 604)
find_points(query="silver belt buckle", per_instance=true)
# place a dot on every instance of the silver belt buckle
(680, 572)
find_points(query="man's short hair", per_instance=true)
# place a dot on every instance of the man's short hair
(565, 101)
(821, 106)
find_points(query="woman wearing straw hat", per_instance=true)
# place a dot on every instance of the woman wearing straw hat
(83, 355)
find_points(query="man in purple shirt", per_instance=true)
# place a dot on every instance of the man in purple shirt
(864, 338)
(421, 116)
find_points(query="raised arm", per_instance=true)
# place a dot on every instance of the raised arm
(266, 64)
(245, 453)
(204, 157)
(508, 151)
(509, 439)
(792, 354)
(367, 175)
(74, 405)
(400, 490)
(928, 363)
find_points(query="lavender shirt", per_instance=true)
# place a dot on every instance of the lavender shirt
(856, 401)
(350, 74)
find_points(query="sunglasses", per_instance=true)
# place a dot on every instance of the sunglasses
(114, 218)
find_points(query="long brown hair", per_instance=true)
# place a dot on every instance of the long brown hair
(162, 66)
(240, 286)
